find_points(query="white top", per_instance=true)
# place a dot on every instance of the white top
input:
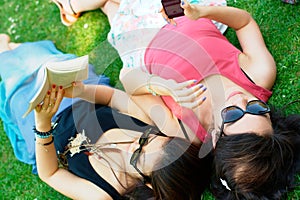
(135, 25)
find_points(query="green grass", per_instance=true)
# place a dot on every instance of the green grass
(27, 20)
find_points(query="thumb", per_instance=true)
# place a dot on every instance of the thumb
(185, 5)
(77, 83)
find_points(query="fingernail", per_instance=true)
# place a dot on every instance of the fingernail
(48, 92)
(201, 85)
(53, 86)
(182, 2)
(60, 87)
(204, 98)
(204, 88)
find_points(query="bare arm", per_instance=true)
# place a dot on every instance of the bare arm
(255, 60)
(105, 95)
(47, 165)
(138, 82)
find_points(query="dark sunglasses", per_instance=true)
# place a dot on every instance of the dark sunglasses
(136, 154)
(234, 113)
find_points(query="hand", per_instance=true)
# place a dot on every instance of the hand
(183, 93)
(75, 90)
(165, 16)
(191, 11)
(45, 111)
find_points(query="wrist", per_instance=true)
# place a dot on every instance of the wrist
(204, 11)
(42, 133)
(149, 84)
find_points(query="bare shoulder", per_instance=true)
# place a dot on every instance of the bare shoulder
(261, 69)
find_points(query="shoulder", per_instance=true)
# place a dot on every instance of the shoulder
(261, 69)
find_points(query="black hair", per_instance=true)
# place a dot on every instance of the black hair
(258, 167)
(183, 178)
(180, 174)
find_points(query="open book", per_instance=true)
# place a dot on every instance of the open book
(61, 73)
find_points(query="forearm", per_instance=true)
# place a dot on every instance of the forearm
(134, 81)
(46, 158)
(117, 99)
(124, 104)
(233, 17)
(138, 82)
(98, 94)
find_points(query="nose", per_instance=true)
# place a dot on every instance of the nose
(240, 101)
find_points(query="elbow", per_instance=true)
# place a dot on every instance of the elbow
(45, 178)
(124, 79)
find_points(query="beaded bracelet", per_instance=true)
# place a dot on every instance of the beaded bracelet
(149, 88)
(42, 135)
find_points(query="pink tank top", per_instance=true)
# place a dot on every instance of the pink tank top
(196, 50)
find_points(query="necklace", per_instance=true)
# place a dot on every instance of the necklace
(81, 143)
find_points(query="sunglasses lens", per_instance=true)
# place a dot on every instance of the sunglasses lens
(231, 114)
(257, 107)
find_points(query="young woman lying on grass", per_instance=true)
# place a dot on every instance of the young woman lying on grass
(256, 148)
(107, 147)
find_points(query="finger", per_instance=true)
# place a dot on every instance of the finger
(194, 104)
(77, 84)
(46, 101)
(59, 97)
(186, 84)
(185, 4)
(52, 96)
(163, 13)
(38, 108)
(173, 22)
(199, 90)
(194, 91)
(165, 16)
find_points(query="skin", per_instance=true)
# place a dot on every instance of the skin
(153, 106)
(5, 44)
(75, 187)
(47, 165)
(248, 123)
(255, 60)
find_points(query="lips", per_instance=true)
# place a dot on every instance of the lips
(233, 94)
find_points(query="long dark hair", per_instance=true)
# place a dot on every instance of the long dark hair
(249, 166)
(180, 174)
(183, 178)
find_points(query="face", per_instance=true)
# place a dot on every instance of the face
(146, 151)
(249, 123)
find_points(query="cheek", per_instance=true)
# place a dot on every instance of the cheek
(150, 160)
